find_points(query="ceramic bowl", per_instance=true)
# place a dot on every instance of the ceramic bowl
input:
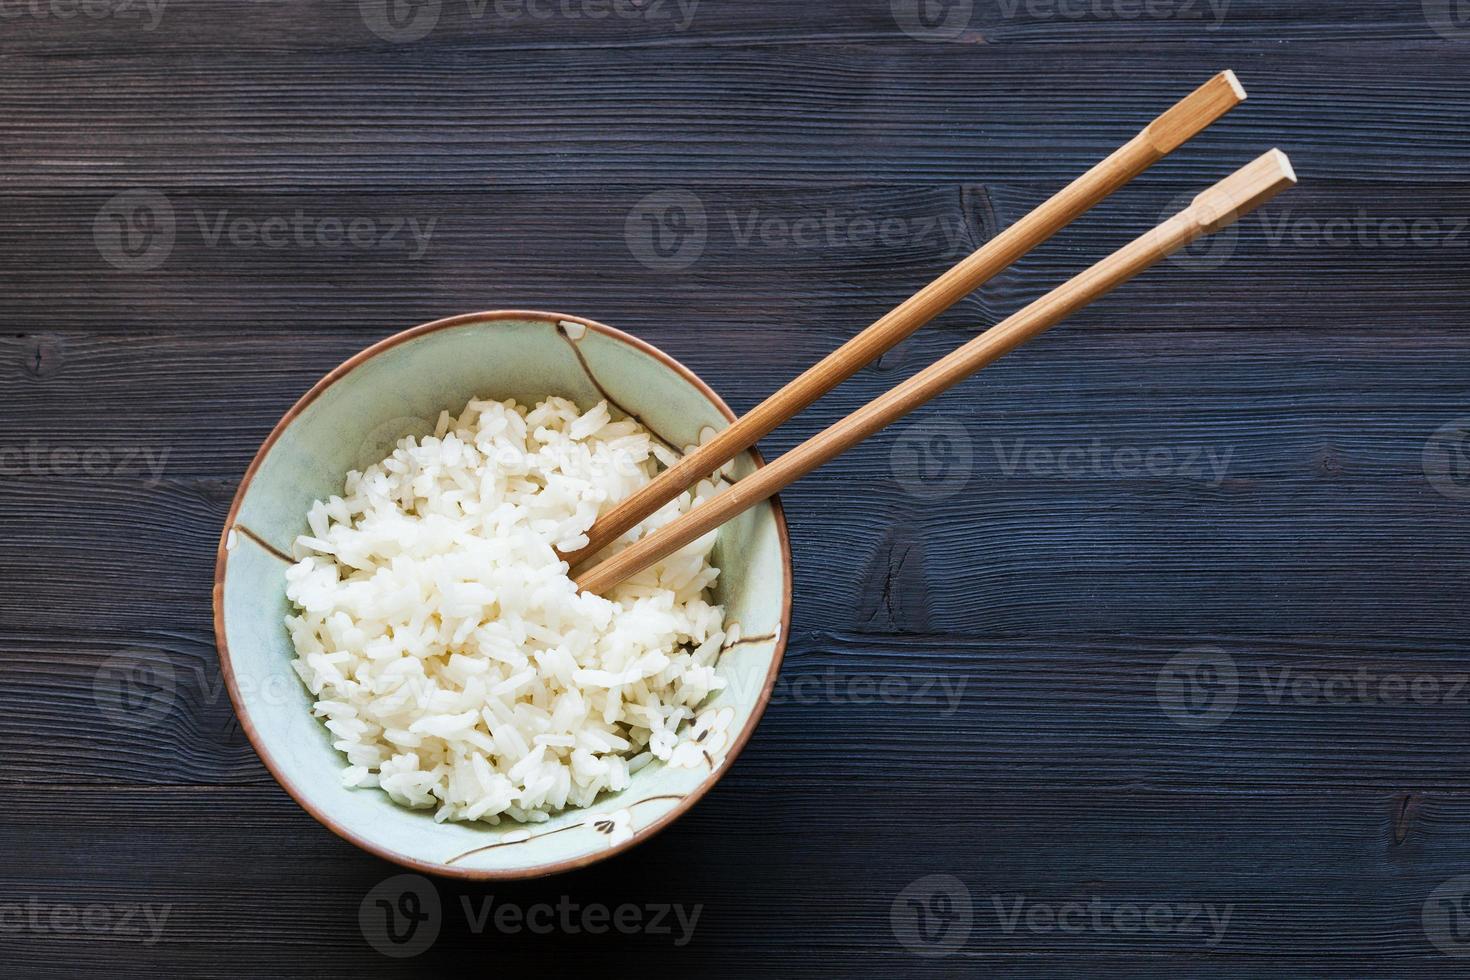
(352, 418)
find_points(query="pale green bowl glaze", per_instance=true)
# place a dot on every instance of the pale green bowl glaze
(352, 418)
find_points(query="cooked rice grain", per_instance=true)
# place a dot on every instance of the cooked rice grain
(452, 659)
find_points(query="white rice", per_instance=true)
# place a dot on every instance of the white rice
(453, 660)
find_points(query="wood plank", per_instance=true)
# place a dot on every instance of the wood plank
(1368, 710)
(1047, 554)
(406, 118)
(1356, 406)
(190, 27)
(1337, 881)
(1071, 756)
(771, 263)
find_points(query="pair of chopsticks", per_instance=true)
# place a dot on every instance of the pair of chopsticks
(1216, 208)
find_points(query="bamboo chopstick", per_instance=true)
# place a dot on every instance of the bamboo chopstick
(1219, 206)
(1162, 136)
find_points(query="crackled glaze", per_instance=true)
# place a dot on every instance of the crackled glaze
(340, 425)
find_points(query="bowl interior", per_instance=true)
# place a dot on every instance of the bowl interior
(353, 419)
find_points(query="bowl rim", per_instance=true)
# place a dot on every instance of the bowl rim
(227, 667)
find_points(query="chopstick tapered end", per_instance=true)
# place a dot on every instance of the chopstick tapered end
(1245, 190)
(1283, 163)
(1197, 110)
(1228, 77)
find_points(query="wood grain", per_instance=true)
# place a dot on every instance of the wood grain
(767, 272)
(833, 870)
(407, 117)
(1319, 358)
(991, 714)
(191, 27)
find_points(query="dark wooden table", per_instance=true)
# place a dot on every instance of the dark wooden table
(1143, 654)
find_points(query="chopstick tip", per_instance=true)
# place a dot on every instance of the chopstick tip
(1228, 76)
(1283, 162)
